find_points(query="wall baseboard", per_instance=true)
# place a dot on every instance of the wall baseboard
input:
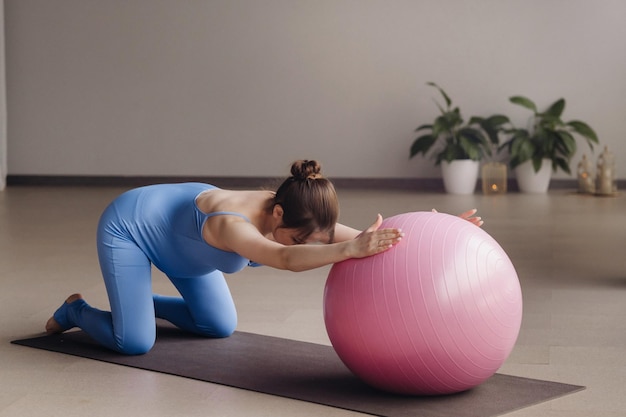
(416, 184)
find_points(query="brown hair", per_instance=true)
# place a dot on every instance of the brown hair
(308, 199)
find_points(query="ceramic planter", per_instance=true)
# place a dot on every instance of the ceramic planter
(533, 182)
(460, 176)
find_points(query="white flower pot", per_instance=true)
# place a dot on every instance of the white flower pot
(460, 176)
(533, 182)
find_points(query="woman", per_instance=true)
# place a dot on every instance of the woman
(194, 232)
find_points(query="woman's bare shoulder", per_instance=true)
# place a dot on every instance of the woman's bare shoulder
(216, 199)
(240, 201)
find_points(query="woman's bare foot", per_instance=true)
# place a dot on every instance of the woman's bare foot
(52, 326)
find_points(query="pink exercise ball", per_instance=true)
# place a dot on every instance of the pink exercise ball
(437, 314)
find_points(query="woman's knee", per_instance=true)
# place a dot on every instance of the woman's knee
(136, 340)
(135, 347)
(218, 328)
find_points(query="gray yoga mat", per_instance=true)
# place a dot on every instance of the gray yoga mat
(302, 371)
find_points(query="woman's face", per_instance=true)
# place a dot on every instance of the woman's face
(289, 237)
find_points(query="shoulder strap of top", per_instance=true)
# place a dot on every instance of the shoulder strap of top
(229, 213)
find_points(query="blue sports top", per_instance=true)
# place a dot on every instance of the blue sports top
(166, 223)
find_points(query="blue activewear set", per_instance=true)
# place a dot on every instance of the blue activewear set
(158, 225)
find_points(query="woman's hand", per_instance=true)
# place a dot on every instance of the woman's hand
(469, 216)
(375, 240)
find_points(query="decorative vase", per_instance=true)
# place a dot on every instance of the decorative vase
(606, 183)
(460, 176)
(533, 182)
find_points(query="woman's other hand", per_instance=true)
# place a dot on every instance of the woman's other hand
(469, 216)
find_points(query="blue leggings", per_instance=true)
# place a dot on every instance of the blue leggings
(206, 307)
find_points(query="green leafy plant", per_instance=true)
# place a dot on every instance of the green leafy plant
(547, 136)
(455, 138)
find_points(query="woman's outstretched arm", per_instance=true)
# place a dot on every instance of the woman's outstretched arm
(243, 238)
(343, 232)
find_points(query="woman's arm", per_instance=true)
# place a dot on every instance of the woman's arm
(244, 238)
(343, 232)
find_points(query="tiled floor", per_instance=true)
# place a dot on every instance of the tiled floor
(569, 251)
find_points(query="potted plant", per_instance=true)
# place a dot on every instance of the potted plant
(456, 145)
(546, 145)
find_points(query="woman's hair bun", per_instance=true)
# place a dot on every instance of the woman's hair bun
(305, 169)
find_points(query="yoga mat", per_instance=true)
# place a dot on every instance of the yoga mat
(302, 371)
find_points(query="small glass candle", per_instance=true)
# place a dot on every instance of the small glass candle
(586, 182)
(494, 178)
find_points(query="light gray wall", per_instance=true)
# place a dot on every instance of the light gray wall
(243, 87)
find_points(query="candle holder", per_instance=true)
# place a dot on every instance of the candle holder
(586, 182)
(494, 178)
